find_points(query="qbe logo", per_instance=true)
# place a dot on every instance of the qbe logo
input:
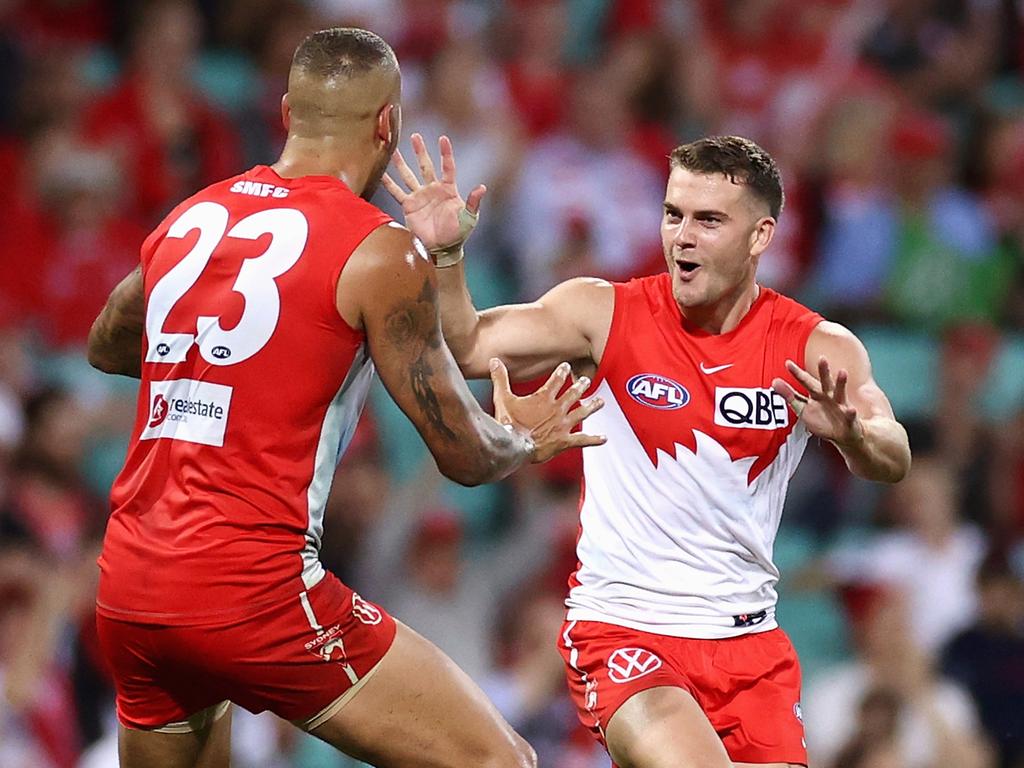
(656, 391)
(750, 408)
(626, 664)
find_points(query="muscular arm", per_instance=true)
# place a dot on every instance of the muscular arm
(115, 339)
(389, 289)
(877, 447)
(570, 322)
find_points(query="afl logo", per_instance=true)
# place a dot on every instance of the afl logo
(656, 391)
(221, 353)
(162, 349)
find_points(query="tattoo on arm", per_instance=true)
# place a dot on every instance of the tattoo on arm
(413, 327)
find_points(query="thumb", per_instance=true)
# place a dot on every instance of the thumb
(499, 378)
(475, 197)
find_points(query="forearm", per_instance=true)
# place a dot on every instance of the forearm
(502, 451)
(880, 452)
(459, 319)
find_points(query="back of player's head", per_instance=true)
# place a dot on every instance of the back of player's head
(343, 53)
(740, 160)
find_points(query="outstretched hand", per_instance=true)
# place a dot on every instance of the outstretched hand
(545, 415)
(434, 210)
(826, 412)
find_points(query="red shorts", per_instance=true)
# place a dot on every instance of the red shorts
(296, 659)
(748, 686)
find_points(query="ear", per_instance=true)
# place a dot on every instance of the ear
(386, 124)
(762, 235)
(286, 113)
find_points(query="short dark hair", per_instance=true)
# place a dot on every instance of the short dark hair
(343, 52)
(740, 160)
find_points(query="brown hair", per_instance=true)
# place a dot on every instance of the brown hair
(740, 160)
(343, 52)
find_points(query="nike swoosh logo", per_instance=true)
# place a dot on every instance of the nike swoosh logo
(716, 368)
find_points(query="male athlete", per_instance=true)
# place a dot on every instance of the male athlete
(673, 654)
(259, 312)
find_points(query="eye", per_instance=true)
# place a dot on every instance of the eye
(672, 217)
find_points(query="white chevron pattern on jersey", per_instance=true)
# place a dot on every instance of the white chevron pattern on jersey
(682, 547)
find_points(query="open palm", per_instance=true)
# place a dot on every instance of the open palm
(434, 210)
(826, 412)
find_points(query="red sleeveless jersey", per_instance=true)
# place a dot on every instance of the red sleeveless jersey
(681, 506)
(251, 388)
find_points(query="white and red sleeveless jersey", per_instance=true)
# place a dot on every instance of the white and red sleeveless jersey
(251, 388)
(680, 508)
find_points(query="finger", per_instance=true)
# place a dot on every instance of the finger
(577, 415)
(825, 376)
(405, 171)
(475, 198)
(499, 378)
(575, 392)
(555, 381)
(806, 379)
(840, 394)
(427, 171)
(783, 388)
(444, 145)
(393, 189)
(582, 440)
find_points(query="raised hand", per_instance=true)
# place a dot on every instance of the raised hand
(545, 415)
(825, 413)
(434, 210)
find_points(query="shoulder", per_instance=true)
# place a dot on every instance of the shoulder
(581, 289)
(829, 337)
(390, 247)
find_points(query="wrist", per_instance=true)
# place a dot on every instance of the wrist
(855, 440)
(529, 447)
(447, 257)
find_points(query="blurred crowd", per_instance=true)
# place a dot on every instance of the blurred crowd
(899, 129)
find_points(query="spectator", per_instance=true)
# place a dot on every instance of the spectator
(172, 141)
(930, 558)
(936, 725)
(987, 658)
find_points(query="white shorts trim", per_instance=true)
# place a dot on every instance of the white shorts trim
(325, 714)
(199, 721)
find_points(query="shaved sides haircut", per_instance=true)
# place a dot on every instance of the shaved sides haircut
(739, 160)
(343, 53)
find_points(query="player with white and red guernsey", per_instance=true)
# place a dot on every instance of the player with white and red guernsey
(261, 308)
(672, 649)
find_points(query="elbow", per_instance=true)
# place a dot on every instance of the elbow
(98, 360)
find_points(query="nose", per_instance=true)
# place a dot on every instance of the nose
(684, 234)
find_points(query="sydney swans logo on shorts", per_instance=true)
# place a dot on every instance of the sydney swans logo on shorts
(326, 643)
(656, 391)
(366, 612)
(189, 410)
(626, 664)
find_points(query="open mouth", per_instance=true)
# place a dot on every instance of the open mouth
(687, 267)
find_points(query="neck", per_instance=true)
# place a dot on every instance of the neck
(324, 156)
(725, 314)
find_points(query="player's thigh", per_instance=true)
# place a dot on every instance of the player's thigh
(419, 709)
(664, 727)
(208, 747)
